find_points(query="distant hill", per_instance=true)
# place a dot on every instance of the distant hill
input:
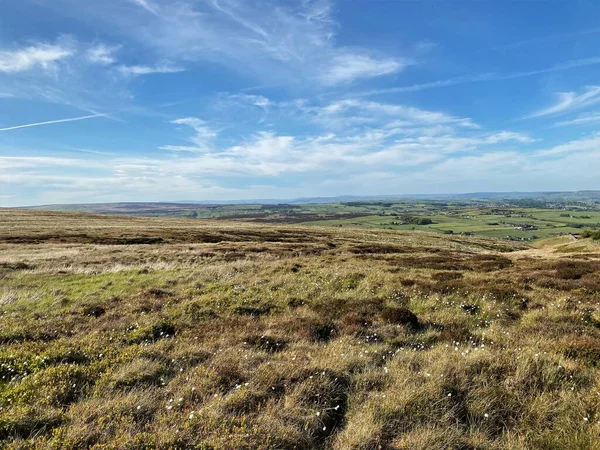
(548, 196)
(173, 207)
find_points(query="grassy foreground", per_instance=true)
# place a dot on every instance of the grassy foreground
(138, 333)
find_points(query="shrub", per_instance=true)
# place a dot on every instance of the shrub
(593, 234)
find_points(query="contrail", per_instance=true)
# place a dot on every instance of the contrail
(50, 122)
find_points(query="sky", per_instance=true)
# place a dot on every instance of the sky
(173, 100)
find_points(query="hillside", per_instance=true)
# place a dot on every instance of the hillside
(517, 219)
(123, 332)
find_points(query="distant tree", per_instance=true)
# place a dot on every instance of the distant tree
(593, 234)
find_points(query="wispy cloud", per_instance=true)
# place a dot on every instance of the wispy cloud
(31, 162)
(69, 71)
(258, 101)
(357, 135)
(586, 144)
(569, 101)
(358, 165)
(572, 64)
(349, 67)
(91, 152)
(425, 46)
(102, 54)
(37, 55)
(201, 139)
(547, 38)
(51, 122)
(349, 112)
(584, 119)
(483, 77)
(272, 41)
(147, 5)
(147, 70)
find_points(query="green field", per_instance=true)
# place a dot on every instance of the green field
(512, 223)
(516, 220)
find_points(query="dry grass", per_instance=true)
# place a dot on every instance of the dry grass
(131, 333)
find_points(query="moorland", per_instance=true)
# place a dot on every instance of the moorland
(120, 332)
(524, 219)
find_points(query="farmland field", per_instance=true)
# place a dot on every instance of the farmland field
(503, 219)
(123, 332)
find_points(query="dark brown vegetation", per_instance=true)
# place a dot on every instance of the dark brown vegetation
(131, 333)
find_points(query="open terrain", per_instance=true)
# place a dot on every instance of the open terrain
(511, 218)
(121, 332)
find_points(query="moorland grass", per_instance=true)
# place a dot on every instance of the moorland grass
(243, 336)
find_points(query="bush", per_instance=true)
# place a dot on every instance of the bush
(407, 220)
(593, 234)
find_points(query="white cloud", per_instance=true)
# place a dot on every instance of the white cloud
(546, 38)
(351, 66)
(147, 70)
(68, 72)
(272, 41)
(355, 112)
(425, 46)
(587, 144)
(24, 162)
(147, 5)
(584, 119)
(256, 100)
(364, 163)
(102, 54)
(201, 139)
(273, 154)
(38, 55)
(238, 101)
(506, 136)
(569, 101)
(483, 77)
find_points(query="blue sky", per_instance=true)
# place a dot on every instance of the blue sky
(153, 100)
